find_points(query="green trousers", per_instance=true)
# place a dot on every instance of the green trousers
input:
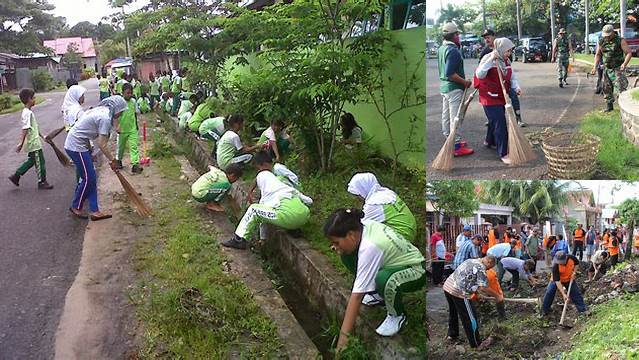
(615, 82)
(35, 158)
(216, 193)
(130, 138)
(391, 282)
(562, 69)
(290, 214)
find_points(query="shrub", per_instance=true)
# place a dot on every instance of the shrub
(6, 101)
(42, 80)
(87, 74)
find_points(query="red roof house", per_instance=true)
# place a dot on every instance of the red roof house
(85, 48)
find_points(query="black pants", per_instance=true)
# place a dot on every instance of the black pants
(501, 309)
(438, 271)
(515, 278)
(579, 247)
(464, 310)
(614, 259)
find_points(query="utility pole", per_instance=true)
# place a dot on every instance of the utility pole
(483, 11)
(128, 44)
(622, 17)
(519, 19)
(552, 21)
(587, 16)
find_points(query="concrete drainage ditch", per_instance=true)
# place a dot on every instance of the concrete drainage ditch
(312, 289)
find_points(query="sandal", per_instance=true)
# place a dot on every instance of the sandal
(101, 216)
(79, 213)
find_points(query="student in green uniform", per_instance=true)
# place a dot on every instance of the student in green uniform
(387, 264)
(212, 128)
(103, 84)
(187, 105)
(165, 82)
(264, 161)
(230, 149)
(176, 89)
(213, 186)
(128, 132)
(280, 205)
(137, 87)
(275, 140)
(119, 84)
(168, 105)
(202, 112)
(144, 104)
(154, 90)
(30, 143)
(186, 83)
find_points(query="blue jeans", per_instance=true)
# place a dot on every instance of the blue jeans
(87, 188)
(575, 297)
(497, 134)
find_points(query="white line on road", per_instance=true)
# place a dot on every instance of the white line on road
(574, 96)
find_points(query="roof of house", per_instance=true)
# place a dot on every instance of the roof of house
(85, 45)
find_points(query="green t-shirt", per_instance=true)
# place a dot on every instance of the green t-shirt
(128, 122)
(202, 112)
(398, 216)
(166, 83)
(214, 179)
(32, 141)
(144, 105)
(103, 84)
(137, 89)
(177, 82)
(215, 124)
(227, 148)
(154, 88)
(118, 86)
(443, 56)
(397, 250)
(185, 106)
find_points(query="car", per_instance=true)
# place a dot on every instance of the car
(531, 49)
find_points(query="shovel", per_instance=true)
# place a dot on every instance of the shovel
(536, 301)
(563, 313)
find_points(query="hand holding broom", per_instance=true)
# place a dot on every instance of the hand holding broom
(62, 157)
(519, 149)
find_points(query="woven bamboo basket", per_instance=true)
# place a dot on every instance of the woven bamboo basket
(571, 156)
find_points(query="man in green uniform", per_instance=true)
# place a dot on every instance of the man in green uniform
(176, 89)
(616, 55)
(103, 84)
(154, 90)
(128, 132)
(165, 81)
(561, 51)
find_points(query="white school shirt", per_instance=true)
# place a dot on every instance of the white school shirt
(272, 190)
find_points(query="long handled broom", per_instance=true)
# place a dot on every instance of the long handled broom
(62, 157)
(519, 149)
(133, 195)
(444, 159)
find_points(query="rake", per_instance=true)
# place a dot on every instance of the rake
(133, 196)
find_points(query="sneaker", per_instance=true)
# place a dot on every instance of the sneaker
(372, 299)
(15, 179)
(391, 325)
(506, 160)
(120, 166)
(463, 151)
(235, 242)
(44, 186)
(136, 169)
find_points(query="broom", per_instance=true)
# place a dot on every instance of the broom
(444, 159)
(62, 157)
(53, 134)
(519, 148)
(133, 195)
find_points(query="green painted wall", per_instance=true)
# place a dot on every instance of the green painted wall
(367, 116)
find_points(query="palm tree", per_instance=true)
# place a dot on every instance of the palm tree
(537, 199)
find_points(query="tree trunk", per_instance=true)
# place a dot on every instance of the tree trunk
(631, 240)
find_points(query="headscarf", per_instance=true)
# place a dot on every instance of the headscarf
(71, 107)
(116, 104)
(500, 46)
(367, 186)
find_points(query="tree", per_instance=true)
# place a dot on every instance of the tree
(453, 197)
(109, 50)
(72, 60)
(25, 23)
(537, 199)
(460, 15)
(629, 213)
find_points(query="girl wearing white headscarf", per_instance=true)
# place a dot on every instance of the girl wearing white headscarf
(491, 95)
(96, 123)
(72, 105)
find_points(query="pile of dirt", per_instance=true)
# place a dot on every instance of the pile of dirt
(612, 285)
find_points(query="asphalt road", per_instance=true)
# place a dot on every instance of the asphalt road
(543, 104)
(40, 244)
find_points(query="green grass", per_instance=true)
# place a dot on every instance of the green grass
(182, 253)
(611, 333)
(591, 59)
(618, 158)
(635, 94)
(18, 106)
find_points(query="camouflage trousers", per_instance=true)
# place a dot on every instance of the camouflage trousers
(615, 82)
(562, 69)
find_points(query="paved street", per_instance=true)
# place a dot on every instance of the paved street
(543, 105)
(40, 242)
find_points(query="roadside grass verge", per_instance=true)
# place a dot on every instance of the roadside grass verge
(218, 320)
(591, 59)
(617, 158)
(611, 332)
(18, 106)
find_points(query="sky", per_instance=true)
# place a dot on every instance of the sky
(433, 6)
(602, 190)
(88, 10)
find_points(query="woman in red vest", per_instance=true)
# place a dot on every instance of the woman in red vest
(491, 95)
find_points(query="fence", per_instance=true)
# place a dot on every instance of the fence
(453, 230)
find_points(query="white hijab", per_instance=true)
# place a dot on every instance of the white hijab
(367, 186)
(71, 107)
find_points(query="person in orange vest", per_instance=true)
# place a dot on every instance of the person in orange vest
(564, 270)
(613, 248)
(493, 236)
(605, 238)
(578, 237)
(549, 243)
(493, 283)
(508, 235)
(519, 246)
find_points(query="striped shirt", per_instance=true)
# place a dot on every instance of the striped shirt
(466, 251)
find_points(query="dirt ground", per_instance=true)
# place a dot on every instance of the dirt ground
(524, 335)
(98, 321)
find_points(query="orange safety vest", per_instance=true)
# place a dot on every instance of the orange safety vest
(506, 237)
(518, 245)
(613, 249)
(579, 235)
(493, 283)
(492, 239)
(605, 240)
(565, 271)
(636, 240)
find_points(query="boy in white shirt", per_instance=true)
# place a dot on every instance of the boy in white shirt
(230, 149)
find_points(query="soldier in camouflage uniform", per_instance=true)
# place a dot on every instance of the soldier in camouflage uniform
(616, 55)
(561, 51)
